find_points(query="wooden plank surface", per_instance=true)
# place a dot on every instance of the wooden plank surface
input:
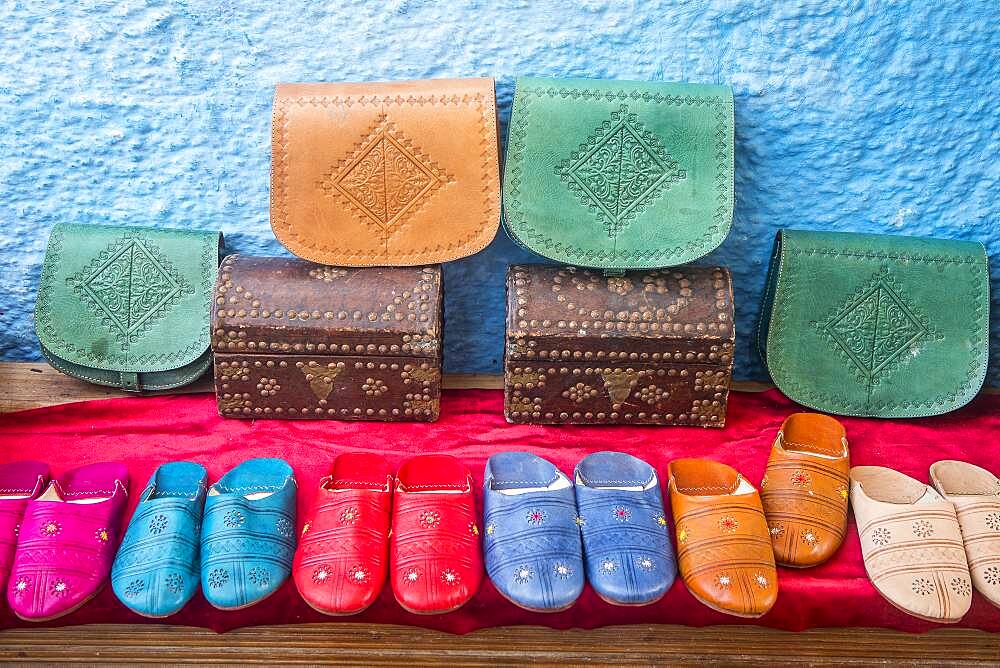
(32, 385)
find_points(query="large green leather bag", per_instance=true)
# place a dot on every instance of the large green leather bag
(619, 174)
(127, 307)
(876, 325)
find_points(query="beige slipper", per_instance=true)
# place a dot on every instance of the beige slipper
(911, 544)
(975, 492)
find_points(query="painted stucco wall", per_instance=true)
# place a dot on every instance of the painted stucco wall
(850, 116)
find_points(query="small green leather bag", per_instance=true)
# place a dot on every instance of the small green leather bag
(876, 325)
(619, 174)
(127, 307)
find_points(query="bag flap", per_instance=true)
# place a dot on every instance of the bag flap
(619, 174)
(399, 173)
(289, 306)
(876, 325)
(126, 299)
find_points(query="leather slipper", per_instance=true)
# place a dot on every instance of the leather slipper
(532, 545)
(342, 560)
(805, 489)
(19, 483)
(723, 545)
(630, 560)
(156, 571)
(248, 533)
(67, 542)
(975, 493)
(436, 562)
(911, 544)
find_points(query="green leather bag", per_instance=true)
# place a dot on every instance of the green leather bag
(876, 325)
(619, 174)
(126, 306)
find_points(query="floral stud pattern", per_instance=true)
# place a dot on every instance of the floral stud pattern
(21, 586)
(284, 527)
(430, 519)
(961, 586)
(349, 515)
(644, 563)
(728, 524)
(562, 571)
(683, 534)
(760, 580)
(174, 583)
(411, 575)
(777, 530)
(358, 574)
(490, 528)
(621, 513)
(842, 491)
(993, 521)
(259, 576)
(102, 535)
(450, 577)
(992, 575)
(801, 478)
(608, 565)
(473, 529)
(536, 516)
(923, 529)
(233, 519)
(809, 537)
(522, 574)
(50, 528)
(59, 587)
(579, 521)
(723, 580)
(134, 588)
(881, 536)
(158, 524)
(306, 527)
(922, 586)
(321, 573)
(217, 578)
(661, 520)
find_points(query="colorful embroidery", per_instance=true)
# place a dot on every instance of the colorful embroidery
(284, 527)
(490, 528)
(842, 491)
(579, 521)
(134, 588)
(760, 580)
(321, 573)
(562, 571)
(683, 535)
(217, 578)
(473, 529)
(430, 519)
(923, 529)
(233, 519)
(21, 586)
(801, 479)
(722, 581)
(661, 520)
(306, 527)
(157, 524)
(450, 577)
(522, 574)
(412, 575)
(102, 535)
(881, 536)
(259, 576)
(728, 524)
(349, 515)
(923, 587)
(358, 574)
(621, 513)
(644, 563)
(961, 586)
(50, 528)
(174, 583)
(536, 516)
(59, 587)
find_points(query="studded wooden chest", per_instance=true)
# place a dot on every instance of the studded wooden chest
(292, 339)
(646, 347)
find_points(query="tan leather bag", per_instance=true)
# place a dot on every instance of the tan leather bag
(389, 174)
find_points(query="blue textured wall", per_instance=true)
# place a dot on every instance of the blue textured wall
(849, 116)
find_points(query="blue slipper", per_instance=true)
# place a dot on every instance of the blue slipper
(248, 535)
(532, 545)
(630, 560)
(156, 569)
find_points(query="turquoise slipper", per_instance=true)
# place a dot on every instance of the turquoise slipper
(248, 534)
(156, 570)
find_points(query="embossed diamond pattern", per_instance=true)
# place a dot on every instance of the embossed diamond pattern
(620, 169)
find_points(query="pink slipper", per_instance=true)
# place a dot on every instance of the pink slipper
(19, 483)
(67, 542)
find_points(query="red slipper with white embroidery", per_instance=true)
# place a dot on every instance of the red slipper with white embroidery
(340, 564)
(436, 561)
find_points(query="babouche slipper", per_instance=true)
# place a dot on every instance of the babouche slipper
(805, 489)
(67, 542)
(156, 571)
(436, 564)
(625, 533)
(342, 559)
(532, 544)
(911, 544)
(723, 545)
(19, 483)
(975, 493)
(248, 533)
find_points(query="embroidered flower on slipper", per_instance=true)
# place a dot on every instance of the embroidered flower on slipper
(21, 586)
(562, 571)
(809, 537)
(881, 536)
(728, 524)
(50, 528)
(683, 534)
(661, 520)
(321, 574)
(923, 529)
(777, 530)
(473, 529)
(59, 587)
(722, 581)
(411, 575)
(608, 565)
(174, 583)
(306, 527)
(358, 575)
(349, 515)
(102, 535)
(536, 517)
(450, 577)
(134, 588)
(760, 580)
(644, 563)
(430, 519)
(284, 527)
(522, 574)
(621, 513)
(217, 578)
(801, 479)
(234, 518)
(157, 524)
(259, 576)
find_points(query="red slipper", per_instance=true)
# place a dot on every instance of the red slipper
(340, 564)
(437, 564)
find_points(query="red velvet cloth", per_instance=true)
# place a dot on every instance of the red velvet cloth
(145, 432)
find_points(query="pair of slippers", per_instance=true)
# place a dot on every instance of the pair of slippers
(433, 559)
(926, 548)
(535, 516)
(235, 539)
(58, 537)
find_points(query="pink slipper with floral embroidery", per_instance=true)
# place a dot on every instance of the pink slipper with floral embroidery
(67, 542)
(19, 483)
